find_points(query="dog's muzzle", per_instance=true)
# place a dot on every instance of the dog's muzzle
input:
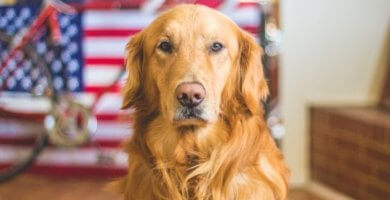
(190, 95)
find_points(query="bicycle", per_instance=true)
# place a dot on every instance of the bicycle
(67, 122)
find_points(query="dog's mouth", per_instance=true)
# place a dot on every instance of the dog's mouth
(189, 116)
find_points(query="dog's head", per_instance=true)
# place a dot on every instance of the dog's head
(192, 64)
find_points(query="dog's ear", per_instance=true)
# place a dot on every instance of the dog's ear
(134, 61)
(253, 85)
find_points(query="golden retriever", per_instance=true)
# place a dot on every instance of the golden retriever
(196, 83)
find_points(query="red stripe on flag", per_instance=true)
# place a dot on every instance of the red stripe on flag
(104, 61)
(104, 32)
(18, 141)
(210, 3)
(23, 116)
(75, 170)
(251, 29)
(103, 88)
(38, 117)
(28, 141)
(113, 117)
(110, 5)
(247, 4)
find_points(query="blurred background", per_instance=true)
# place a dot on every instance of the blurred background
(327, 63)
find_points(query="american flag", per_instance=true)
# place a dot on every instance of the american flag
(92, 55)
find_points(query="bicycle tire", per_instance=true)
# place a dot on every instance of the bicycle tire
(41, 138)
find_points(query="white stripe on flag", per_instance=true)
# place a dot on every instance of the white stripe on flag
(112, 131)
(102, 75)
(16, 129)
(245, 16)
(105, 46)
(106, 130)
(117, 19)
(17, 103)
(65, 156)
(109, 103)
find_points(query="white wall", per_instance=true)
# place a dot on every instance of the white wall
(333, 52)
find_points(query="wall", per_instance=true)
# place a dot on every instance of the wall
(333, 53)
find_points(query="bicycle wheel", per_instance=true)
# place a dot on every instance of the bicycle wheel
(26, 95)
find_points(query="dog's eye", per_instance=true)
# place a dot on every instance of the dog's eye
(216, 46)
(165, 46)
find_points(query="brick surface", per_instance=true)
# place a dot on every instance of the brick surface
(350, 150)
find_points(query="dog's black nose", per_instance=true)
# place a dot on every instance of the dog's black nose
(190, 94)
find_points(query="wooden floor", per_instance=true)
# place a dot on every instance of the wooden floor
(301, 194)
(37, 187)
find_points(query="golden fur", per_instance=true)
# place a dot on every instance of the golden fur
(229, 155)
